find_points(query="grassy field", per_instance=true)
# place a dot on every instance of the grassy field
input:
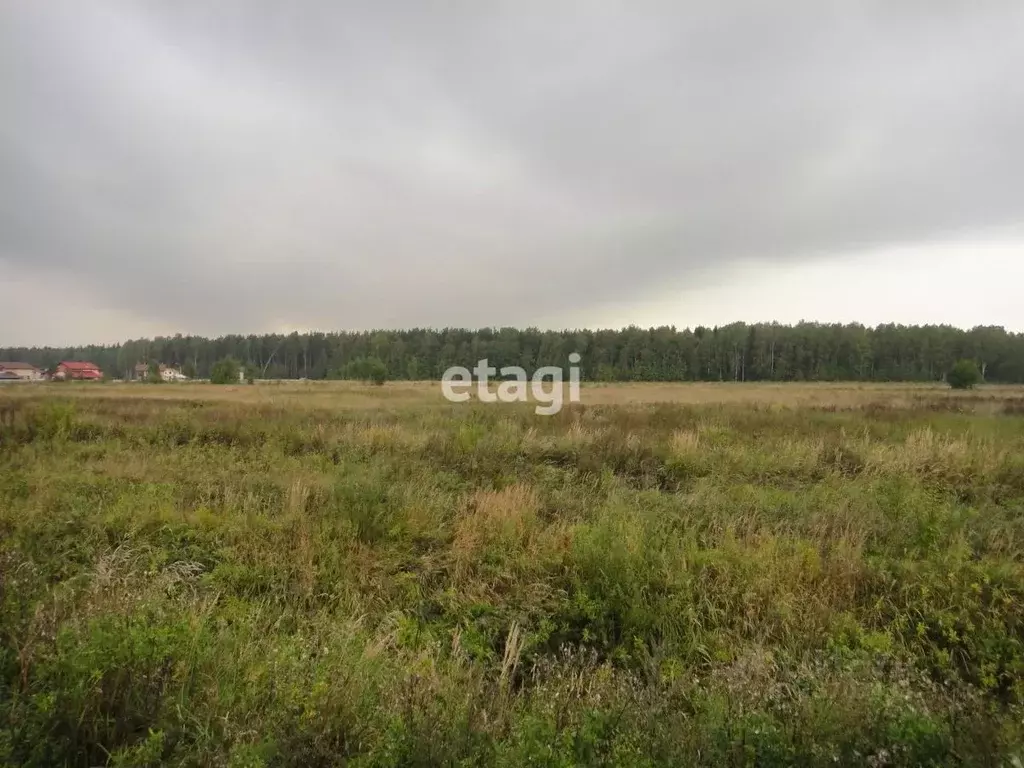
(323, 574)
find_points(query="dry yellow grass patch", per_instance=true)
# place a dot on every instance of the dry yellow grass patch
(507, 514)
(505, 520)
(685, 443)
(798, 455)
(304, 549)
(384, 437)
(577, 434)
(929, 453)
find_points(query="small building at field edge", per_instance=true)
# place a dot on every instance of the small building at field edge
(141, 373)
(78, 371)
(21, 371)
(171, 374)
(167, 373)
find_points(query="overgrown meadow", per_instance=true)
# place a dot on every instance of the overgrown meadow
(373, 579)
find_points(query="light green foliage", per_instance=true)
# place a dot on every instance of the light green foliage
(211, 582)
(225, 371)
(369, 369)
(964, 375)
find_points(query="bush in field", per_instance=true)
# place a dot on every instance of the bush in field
(964, 375)
(225, 371)
(369, 369)
(153, 376)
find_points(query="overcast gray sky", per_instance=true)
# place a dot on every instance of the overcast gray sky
(243, 166)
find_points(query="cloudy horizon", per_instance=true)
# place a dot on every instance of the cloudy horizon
(207, 169)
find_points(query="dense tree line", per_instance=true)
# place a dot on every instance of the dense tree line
(736, 352)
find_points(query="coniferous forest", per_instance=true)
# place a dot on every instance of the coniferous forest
(735, 352)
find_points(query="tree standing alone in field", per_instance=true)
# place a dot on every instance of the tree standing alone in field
(371, 369)
(225, 371)
(964, 375)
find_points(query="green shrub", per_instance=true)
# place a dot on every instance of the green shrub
(226, 371)
(371, 370)
(964, 375)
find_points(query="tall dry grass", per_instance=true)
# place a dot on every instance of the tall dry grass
(660, 575)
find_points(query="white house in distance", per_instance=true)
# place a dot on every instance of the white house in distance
(172, 374)
(166, 373)
(24, 371)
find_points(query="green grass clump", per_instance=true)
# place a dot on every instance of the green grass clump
(192, 582)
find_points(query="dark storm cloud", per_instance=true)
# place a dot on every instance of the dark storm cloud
(237, 166)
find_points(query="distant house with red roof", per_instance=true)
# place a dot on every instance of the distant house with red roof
(79, 371)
